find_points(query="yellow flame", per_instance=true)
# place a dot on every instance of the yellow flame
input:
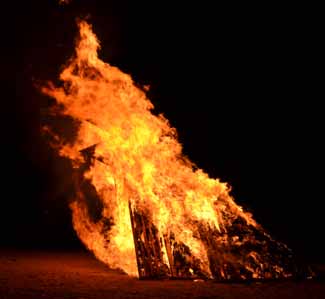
(142, 162)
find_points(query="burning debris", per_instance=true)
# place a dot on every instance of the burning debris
(140, 205)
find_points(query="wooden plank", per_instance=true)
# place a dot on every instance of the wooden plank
(183, 264)
(148, 246)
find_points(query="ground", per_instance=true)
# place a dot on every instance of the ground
(78, 275)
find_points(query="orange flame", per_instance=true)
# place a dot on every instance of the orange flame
(138, 162)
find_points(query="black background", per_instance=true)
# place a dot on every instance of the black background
(240, 83)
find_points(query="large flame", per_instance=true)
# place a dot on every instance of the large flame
(136, 162)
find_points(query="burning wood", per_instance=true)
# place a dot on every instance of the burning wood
(140, 205)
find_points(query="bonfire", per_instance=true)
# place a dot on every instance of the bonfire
(140, 205)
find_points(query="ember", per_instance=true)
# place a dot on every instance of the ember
(140, 205)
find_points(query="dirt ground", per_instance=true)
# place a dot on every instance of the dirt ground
(77, 275)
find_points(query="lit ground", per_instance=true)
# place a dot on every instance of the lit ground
(60, 275)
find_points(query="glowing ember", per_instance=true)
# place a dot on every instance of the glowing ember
(142, 206)
(64, 2)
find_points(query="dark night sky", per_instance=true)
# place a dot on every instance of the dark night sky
(239, 83)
